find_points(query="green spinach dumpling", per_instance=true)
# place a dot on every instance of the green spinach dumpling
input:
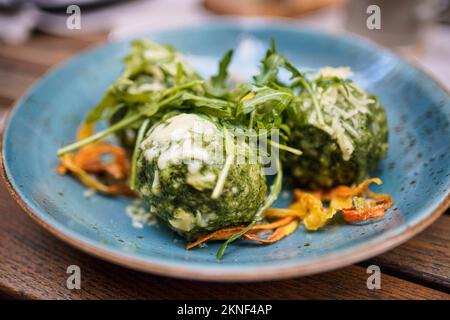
(179, 175)
(342, 132)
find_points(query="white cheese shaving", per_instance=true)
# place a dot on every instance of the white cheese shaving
(179, 140)
(342, 139)
(155, 184)
(182, 220)
(330, 72)
(139, 215)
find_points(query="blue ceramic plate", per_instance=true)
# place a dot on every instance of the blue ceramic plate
(416, 170)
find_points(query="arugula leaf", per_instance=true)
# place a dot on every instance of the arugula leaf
(140, 136)
(150, 70)
(107, 101)
(211, 106)
(217, 85)
(267, 100)
(270, 68)
(221, 77)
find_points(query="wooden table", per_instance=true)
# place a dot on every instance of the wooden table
(33, 263)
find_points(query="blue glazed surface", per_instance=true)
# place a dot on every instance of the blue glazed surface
(416, 171)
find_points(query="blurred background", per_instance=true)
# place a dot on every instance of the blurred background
(417, 29)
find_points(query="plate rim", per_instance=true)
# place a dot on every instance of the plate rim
(338, 259)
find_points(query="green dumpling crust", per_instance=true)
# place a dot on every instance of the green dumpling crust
(177, 174)
(346, 145)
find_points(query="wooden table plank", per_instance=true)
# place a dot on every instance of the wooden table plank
(14, 84)
(33, 265)
(423, 259)
(47, 51)
(21, 65)
(64, 44)
(13, 64)
(6, 103)
(41, 56)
